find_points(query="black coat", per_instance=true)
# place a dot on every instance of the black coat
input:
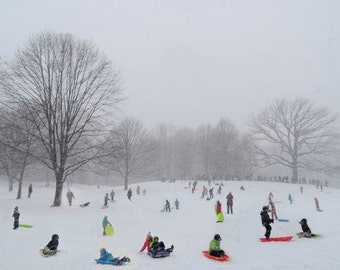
(305, 228)
(265, 219)
(53, 244)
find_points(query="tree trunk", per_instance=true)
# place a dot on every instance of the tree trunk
(58, 192)
(295, 173)
(10, 183)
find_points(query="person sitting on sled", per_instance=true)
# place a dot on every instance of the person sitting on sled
(266, 220)
(52, 246)
(306, 231)
(157, 246)
(147, 243)
(214, 247)
(107, 258)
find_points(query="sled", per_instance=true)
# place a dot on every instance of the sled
(47, 255)
(25, 225)
(314, 235)
(224, 258)
(319, 210)
(109, 230)
(277, 239)
(105, 206)
(282, 220)
(160, 254)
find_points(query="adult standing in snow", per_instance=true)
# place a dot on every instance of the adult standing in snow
(16, 215)
(70, 197)
(230, 199)
(290, 198)
(266, 220)
(214, 247)
(30, 190)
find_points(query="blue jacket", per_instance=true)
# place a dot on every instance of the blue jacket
(105, 222)
(106, 258)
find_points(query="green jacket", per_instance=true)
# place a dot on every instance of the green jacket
(214, 245)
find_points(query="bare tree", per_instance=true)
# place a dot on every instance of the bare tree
(133, 150)
(225, 139)
(164, 135)
(16, 143)
(295, 134)
(65, 86)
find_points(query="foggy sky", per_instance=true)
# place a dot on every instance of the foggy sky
(188, 63)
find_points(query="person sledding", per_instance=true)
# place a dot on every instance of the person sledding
(214, 247)
(157, 249)
(147, 243)
(266, 220)
(107, 258)
(306, 231)
(52, 246)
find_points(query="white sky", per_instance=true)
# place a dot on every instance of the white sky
(189, 229)
(192, 62)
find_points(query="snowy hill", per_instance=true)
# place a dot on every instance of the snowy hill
(189, 229)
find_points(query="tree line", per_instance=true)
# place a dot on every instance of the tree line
(59, 104)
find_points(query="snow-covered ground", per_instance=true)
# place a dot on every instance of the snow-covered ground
(189, 229)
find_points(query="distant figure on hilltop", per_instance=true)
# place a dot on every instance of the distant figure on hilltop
(16, 215)
(317, 203)
(177, 203)
(30, 190)
(112, 195)
(290, 198)
(138, 190)
(129, 194)
(106, 199)
(69, 196)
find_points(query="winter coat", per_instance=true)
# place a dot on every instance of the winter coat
(53, 244)
(305, 228)
(230, 198)
(214, 245)
(218, 208)
(106, 258)
(105, 222)
(265, 219)
(16, 214)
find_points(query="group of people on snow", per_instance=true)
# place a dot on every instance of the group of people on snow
(267, 220)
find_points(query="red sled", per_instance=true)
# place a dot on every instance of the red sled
(277, 239)
(224, 258)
